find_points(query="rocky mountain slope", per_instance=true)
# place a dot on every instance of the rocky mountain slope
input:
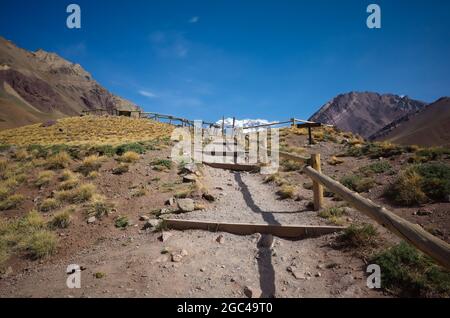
(365, 113)
(428, 127)
(37, 86)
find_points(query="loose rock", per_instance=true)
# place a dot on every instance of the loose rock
(186, 205)
(91, 220)
(252, 292)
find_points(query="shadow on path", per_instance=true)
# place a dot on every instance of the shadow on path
(265, 266)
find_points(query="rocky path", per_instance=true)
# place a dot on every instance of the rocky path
(204, 264)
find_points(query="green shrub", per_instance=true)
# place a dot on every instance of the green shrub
(410, 273)
(61, 220)
(48, 205)
(375, 168)
(11, 202)
(135, 147)
(333, 214)
(80, 194)
(358, 183)
(358, 236)
(121, 168)
(44, 178)
(420, 183)
(99, 206)
(41, 243)
(435, 180)
(165, 163)
(121, 222)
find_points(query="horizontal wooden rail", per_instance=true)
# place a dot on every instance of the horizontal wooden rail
(287, 231)
(412, 233)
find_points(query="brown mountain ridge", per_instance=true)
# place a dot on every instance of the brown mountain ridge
(365, 113)
(38, 86)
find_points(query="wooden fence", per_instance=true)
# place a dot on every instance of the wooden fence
(434, 247)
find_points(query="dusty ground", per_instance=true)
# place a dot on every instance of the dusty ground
(135, 263)
(135, 267)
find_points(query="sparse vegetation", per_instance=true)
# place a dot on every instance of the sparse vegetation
(335, 161)
(44, 178)
(89, 164)
(291, 165)
(90, 130)
(121, 169)
(61, 220)
(420, 183)
(27, 234)
(80, 194)
(375, 150)
(275, 178)
(121, 222)
(60, 160)
(376, 168)
(129, 157)
(286, 192)
(48, 205)
(357, 182)
(408, 272)
(11, 202)
(333, 214)
(359, 236)
(99, 206)
(161, 164)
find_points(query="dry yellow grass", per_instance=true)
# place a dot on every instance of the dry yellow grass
(87, 130)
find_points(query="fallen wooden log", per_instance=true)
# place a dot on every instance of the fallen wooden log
(286, 231)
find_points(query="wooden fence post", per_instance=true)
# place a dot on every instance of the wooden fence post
(317, 187)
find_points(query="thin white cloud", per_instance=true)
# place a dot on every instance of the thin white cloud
(170, 44)
(194, 19)
(147, 94)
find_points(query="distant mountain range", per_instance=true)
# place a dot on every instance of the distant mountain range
(228, 122)
(38, 86)
(365, 113)
(429, 126)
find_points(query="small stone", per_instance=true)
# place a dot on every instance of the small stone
(252, 292)
(184, 252)
(189, 168)
(423, 212)
(318, 274)
(165, 236)
(144, 218)
(220, 239)
(219, 188)
(151, 224)
(190, 178)
(186, 205)
(170, 201)
(91, 220)
(176, 258)
(202, 269)
(199, 206)
(208, 197)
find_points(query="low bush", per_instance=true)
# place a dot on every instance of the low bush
(129, 157)
(409, 273)
(11, 202)
(419, 183)
(44, 178)
(358, 183)
(60, 160)
(286, 192)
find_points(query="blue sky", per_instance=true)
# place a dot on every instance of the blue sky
(243, 58)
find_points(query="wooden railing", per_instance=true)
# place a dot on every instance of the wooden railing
(434, 247)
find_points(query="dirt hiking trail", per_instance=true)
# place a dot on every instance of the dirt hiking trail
(197, 263)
